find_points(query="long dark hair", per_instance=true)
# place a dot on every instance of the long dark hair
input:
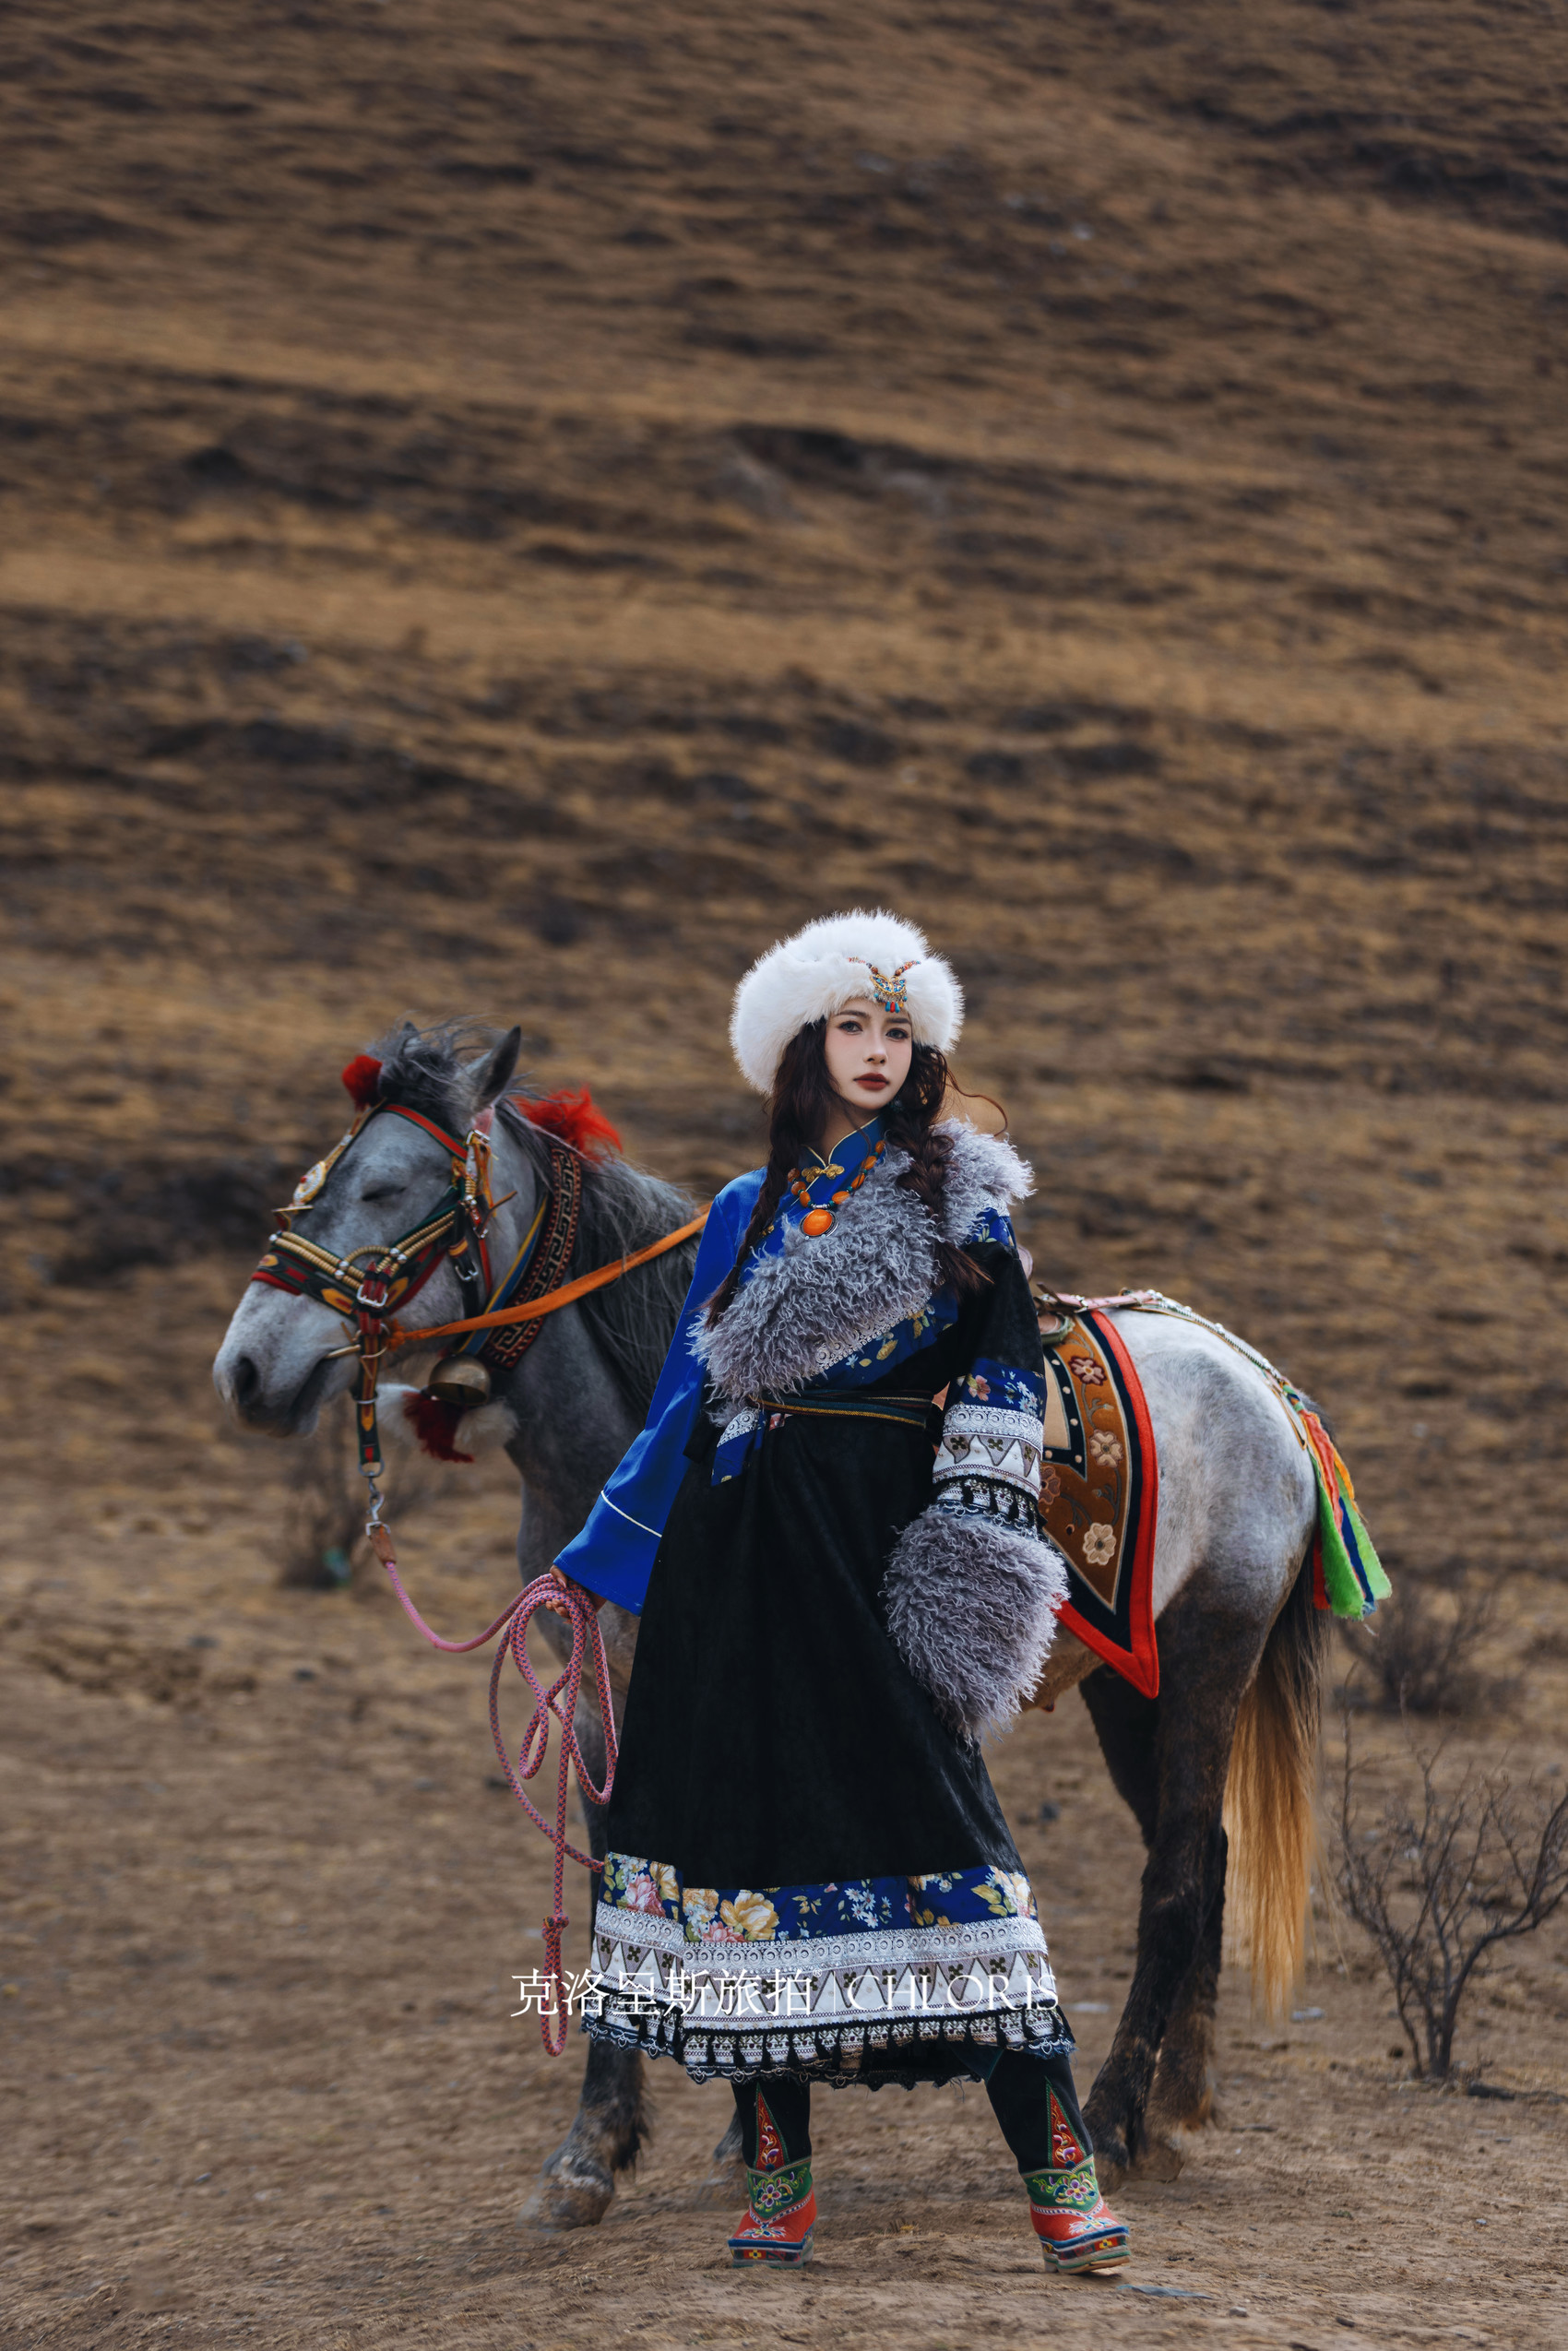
(798, 1111)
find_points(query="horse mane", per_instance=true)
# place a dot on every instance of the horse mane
(431, 1070)
(623, 1207)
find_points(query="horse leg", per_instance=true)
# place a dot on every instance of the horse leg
(1125, 1725)
(578, 2183)
(1206, 1659)
(1270, 1802)
(1184, 2086)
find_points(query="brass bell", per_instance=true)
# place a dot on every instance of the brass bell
(460, 1380)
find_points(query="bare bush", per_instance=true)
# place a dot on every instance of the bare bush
(1439, 1889)
(1419, 1651)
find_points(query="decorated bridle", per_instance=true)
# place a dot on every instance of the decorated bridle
(368, 1285)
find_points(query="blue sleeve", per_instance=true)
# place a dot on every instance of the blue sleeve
(613, 1555)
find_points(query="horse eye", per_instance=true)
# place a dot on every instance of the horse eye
(382, 1191)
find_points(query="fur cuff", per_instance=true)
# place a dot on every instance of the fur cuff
(971, 1608)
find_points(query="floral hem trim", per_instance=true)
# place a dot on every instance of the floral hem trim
(998, 1967)
(867, 1977)
(638, 1897)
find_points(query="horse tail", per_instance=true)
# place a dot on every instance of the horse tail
(1270, 1796)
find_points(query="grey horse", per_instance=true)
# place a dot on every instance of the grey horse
(1220, 1770)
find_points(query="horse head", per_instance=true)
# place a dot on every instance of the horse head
(283, 1355)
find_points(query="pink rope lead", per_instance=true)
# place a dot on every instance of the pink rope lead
(560, 1701)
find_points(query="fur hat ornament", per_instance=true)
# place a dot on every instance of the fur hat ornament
(809, 977)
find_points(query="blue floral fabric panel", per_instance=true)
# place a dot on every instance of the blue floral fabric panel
(884, 1354)
(1004, 1387)
(805, 1914)
(991, 1224)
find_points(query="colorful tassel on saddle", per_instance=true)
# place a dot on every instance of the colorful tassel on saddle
(1347, 1573)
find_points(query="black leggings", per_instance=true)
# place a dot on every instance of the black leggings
(1017, 2087)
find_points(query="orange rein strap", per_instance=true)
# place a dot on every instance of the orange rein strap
(552, 1299)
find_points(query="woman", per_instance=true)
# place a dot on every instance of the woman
(829, 1525)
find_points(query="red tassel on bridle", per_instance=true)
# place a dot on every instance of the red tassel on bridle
(362, 1078)
(435, 1424)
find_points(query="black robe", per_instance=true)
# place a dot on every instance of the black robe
(808, 1871)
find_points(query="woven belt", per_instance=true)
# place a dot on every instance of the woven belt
(853, 1404)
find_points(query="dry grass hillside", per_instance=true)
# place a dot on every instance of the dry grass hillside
(504, 510)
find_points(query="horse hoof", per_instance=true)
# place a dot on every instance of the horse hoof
(572, 2193)
(1182, 2103)
(725, 2180)
(1111, 2167)
(1160, 2159)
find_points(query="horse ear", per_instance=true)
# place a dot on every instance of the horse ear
(494, 1073)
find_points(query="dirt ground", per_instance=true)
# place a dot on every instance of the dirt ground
(504, 510)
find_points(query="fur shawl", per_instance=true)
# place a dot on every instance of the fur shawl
(819, 1301)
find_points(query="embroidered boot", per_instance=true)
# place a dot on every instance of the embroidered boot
(780, 2215)
(1076, 2227)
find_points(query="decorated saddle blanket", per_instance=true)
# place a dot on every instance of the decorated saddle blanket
(1099, 1489)
(1100, 1482)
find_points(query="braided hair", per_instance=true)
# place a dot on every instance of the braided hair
(799, 1106)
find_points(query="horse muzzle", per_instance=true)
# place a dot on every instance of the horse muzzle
(259, 1401)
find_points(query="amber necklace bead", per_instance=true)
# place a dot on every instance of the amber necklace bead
(816, 1221)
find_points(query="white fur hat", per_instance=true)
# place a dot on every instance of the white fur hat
(808, 976)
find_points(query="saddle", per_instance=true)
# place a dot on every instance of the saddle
(1100, 1482)
(1099, 1488)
